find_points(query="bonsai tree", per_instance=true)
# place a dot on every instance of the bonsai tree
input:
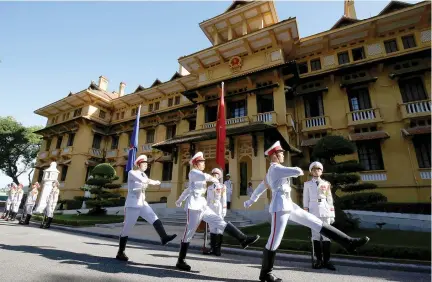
(99, 185)
(344, 177)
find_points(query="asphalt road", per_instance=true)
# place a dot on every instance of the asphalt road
(33, 254)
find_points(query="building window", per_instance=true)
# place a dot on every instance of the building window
(117, 116)
(71, 139)
(134, 112)
(114, 142)
(170, 131)
(369, 154)
(77, 112)
(390, 46)
(211, 113)
(359, 99)
(302, 67)
(97, 139)
(315, 64)
(313, 106)
(48, 144)
(422, 146)
(122, 115)
(151, 108)
(192, 124)
(64, 173)
(157, 106)
(59, 142)
(237, 109)
(150, 136)
(343, 58)
(102, 114)
(265, 103)
(170, 102)
(125, 175)
(358, 54)
(177, 100)
(243, 178)
(167, 171)
(408, 41)
(412, 89)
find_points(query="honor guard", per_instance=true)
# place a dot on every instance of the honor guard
(228, 185)
(52, 200)
(217, 202)
(29, 205)
(197, 210)
(136, 206)
(318, 200)
(283, 208)
(8, 204)
(16, 202)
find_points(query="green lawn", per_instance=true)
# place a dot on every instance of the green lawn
(83, 219)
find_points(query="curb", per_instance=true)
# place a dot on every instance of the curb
(280, 256)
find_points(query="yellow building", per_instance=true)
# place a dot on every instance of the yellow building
(367, 80)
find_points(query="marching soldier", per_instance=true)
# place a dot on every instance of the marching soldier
(217, 202)
(197, 210)
(136, 206)
(51, 205)
(29, 205)
(16, 202)
(318, 200)
(229, 191)
(282, 208)
(11, 194)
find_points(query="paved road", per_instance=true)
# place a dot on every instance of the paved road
(32, 254)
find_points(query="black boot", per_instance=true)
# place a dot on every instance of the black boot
(14, 216)
(219, 240)
(6, 214)
(162, 234)
(22, 219)
(48, 223)
(266, 274)
(11, 216)
(122, 246)
(181, 263)
(244, 240)
(318, 254)
(349, 243)
(326, 253)
(213, 238)
(27, 220)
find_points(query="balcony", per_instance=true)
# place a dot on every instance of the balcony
(67, 151)
(425, 173)
(228, 122)
(268, 118)
(43, 155)
(315, 123)
(146, 148)
(373, 176)
(112, 153)
(364, 117)
(55, 153)
(415, 109)
(98, 153)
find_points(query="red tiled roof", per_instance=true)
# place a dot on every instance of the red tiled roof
(416, 130)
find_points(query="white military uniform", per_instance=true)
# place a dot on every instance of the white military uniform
(196, 205)
(229, 191)
(136, 205)
(317, 197)
(11, 195)
(31, 201)
(217, 202)
(16, 200)
(52, 201)
(282, 207)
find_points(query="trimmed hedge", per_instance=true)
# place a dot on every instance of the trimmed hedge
(414, 208)
(360, 200)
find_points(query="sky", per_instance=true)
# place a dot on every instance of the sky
(48, 49)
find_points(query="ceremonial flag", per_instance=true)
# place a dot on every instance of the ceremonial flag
(133, 146)
(221, 132)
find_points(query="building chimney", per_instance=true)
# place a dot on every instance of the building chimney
(349, 9)
(122, 89)
(103, 83)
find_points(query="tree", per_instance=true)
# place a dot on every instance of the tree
(343, 177)
(100, 183)
(19, 146)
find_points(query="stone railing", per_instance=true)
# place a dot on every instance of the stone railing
(96, 152)
(315, 123)
(228, 122)
(269, 117)
(55, 153)
(425, 174)
(373, 176)
(112, 153)
(166, 185)
(43, 155)
(67, 150)
(415, 109)
(147, 147)
(363, 116)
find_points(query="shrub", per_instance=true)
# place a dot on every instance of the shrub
(359, 200)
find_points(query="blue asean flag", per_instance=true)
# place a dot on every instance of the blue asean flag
(133, 146)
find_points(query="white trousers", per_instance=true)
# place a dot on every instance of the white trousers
(316, 236)
(49, 211)
(214, 229)
(8, 206)
(194, 218)
(15, 207)
(280, 220)
(132, 215)
(28, 209)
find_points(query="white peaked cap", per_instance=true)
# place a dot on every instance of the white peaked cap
(217, 171)
(197, 157)
(315, 164)
(273, 149)
(140, 159)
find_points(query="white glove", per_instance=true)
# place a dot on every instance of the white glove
(248, 203)
(332, 220)
(178, 204)
(157, 182)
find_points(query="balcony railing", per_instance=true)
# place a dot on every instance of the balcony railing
(364, 116)
(124, 152)
(373, 176)
(166, 185)
(269, 117)
(112, 153)
(425, 174)
(147, 147)
(228, 122)
(67, 151)
(96, 152)
(55, 153)
(315, 123)
(43, 155)
(415, 109)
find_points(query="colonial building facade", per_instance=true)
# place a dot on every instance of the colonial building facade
(367, 80)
